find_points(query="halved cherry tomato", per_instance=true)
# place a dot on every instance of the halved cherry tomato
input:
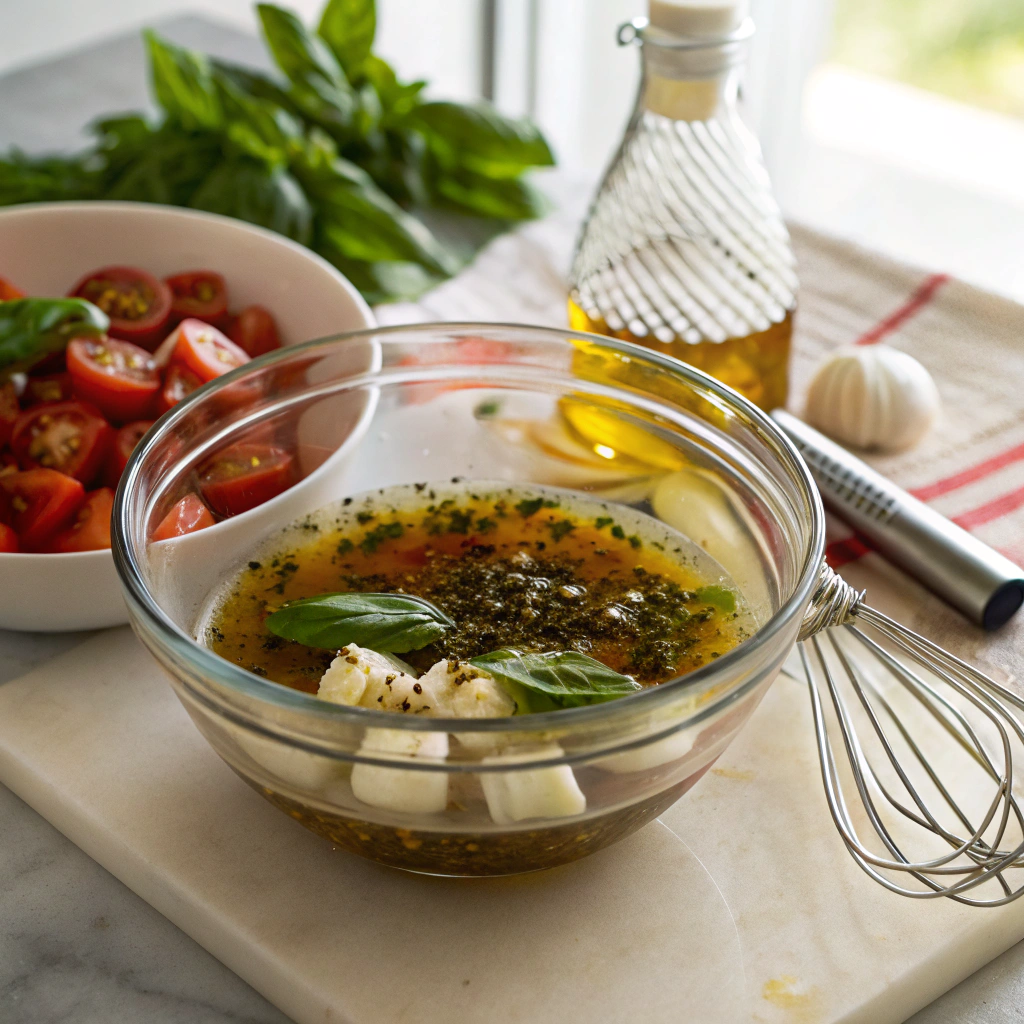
(178, 384)
(42, 502)
(119, 378)
(71, 437)
(8, 540)
(201, 294)
(244, 476)
(8, 291)
(187, 516)
(255, 331)
(9, 410)
(138, 304)
(204, 350)
(47, 387)
(91, 529)
(125, 441)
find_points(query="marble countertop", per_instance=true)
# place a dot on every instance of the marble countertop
(77, 946)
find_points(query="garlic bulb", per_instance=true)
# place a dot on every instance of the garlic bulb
(872, 396)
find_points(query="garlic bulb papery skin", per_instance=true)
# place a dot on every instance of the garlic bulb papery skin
(872, 397)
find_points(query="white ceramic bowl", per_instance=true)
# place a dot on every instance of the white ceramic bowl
(46, 248)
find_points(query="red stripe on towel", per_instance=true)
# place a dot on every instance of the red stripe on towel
(913, 305)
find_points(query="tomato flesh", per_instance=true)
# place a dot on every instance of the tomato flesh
(202, 349)
(187, 516)
(119, 378)
(9, 410)
(47, 387)
(90, 530)
(244, 476)
(178, 384)
(255, 331)
(199, 294)
(70, 437)
(125, 441)
(8, 292)
(42, 502)
(8, 540)
(138, 304)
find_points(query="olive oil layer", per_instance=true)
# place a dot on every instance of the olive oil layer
(523, 573)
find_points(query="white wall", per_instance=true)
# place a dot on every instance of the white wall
(418, 36)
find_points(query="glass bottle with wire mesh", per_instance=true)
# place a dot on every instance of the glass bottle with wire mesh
(684, 249)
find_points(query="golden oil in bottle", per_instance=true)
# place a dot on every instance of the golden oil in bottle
(684, 249)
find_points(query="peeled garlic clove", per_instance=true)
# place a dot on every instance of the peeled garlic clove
(872, 396)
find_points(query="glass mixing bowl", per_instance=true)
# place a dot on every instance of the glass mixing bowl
(511, 404)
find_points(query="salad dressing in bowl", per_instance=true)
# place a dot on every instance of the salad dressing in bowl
(535, 569)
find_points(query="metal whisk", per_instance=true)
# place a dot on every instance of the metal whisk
(921, 731)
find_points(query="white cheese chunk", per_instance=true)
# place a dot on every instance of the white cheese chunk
(357, 675)
(531, 792)
(460, 691)
(402, 789)
(363, 678)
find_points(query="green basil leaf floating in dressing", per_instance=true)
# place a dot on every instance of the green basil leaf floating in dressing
(388, 623)
(554, 679)
(718, 597)
(30, 329)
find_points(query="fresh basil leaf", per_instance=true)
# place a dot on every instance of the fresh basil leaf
(718, 597)
(170, 168)
(25, 179)
(31, 329)
(254, 192)
(389, 281)
(397, 98)
(348, 28)
(389, 623)
(183, 84)
(259, 127)
(500, 198)
(480, 139)
(303, 57)
(363, 224)
(253, 84)
(359, 221)
(554, 679)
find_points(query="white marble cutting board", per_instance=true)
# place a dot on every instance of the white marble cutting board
(740, 906)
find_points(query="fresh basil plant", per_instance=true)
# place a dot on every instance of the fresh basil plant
(332, 150)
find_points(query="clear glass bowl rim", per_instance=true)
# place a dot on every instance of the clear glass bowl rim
(207, 665)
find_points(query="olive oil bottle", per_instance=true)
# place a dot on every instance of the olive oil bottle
(684, 249)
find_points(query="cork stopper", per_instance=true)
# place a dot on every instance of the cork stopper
(688, 96)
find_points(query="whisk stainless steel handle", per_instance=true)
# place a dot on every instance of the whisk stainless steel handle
(962, 570)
